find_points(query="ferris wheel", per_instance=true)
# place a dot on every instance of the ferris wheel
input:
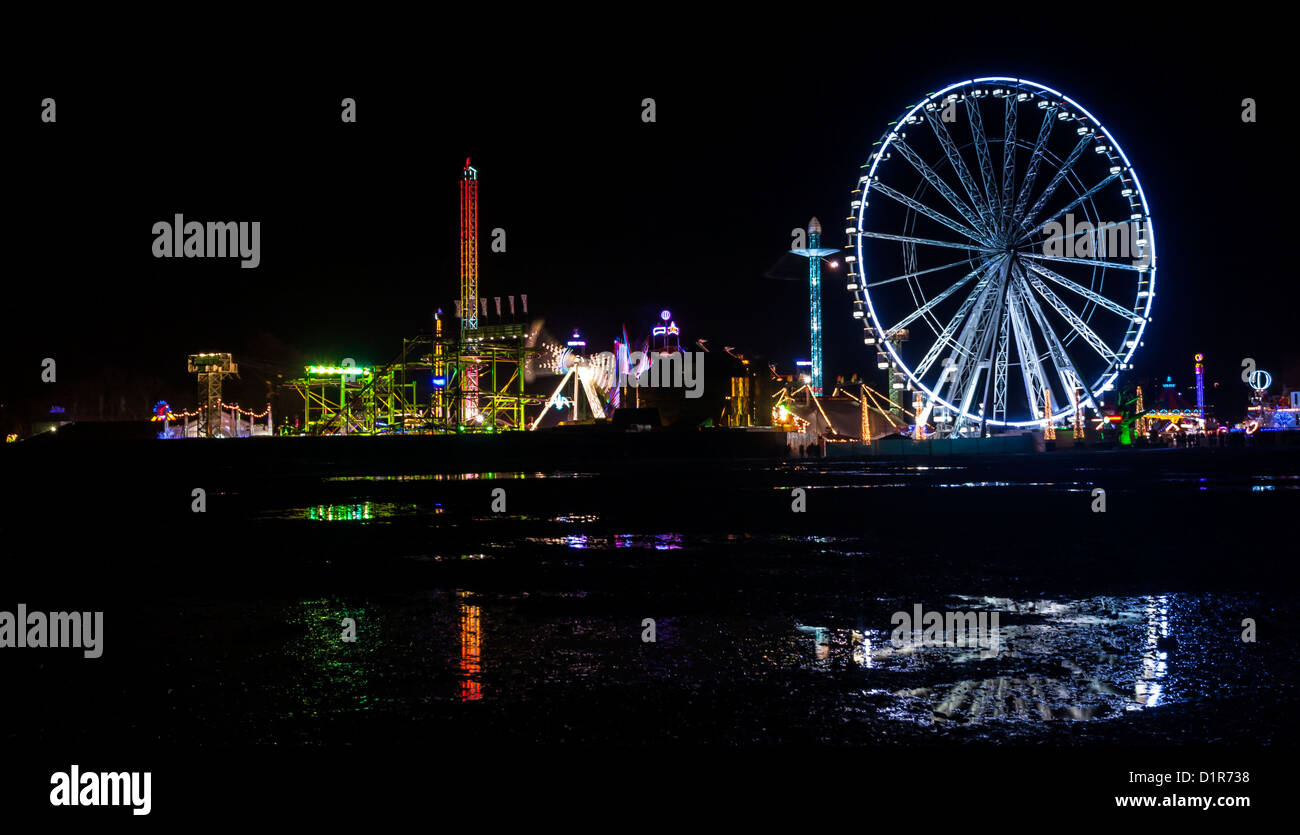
(998, 226)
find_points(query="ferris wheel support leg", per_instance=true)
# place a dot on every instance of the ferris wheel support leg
(975, 339)
(1060, 357)
(999, 312)
(1031, 371)
(958, 318)
(1000, 369)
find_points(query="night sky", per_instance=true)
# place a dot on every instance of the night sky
(608, 219)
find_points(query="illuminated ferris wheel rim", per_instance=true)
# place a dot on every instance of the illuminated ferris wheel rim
(1104, 382)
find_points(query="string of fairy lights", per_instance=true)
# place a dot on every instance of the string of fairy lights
(163, 412)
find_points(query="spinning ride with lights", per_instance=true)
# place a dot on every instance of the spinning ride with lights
(1002, 228)
(593, 377)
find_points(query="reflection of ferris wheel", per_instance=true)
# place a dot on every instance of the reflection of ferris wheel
(999, 226)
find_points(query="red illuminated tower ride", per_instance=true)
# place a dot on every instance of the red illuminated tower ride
(468, 284)
(468, 248)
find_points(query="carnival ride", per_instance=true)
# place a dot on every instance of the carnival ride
(444, 381)
(923, 228)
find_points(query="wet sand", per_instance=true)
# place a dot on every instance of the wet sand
(773, 626)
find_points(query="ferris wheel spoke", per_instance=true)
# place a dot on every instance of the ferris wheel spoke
(885, 236)
(945, 337)
(1035, 160)
(1031, 369)
(1080, 327)
(963, 173)
(1087, 262)
(1008, 157)
(1056, 181)
(1097, 298)
(972, 218)
(1065, 367)
(930, 305)
(926, 210)
(986, 162)
(923, 272)
(1072, 205)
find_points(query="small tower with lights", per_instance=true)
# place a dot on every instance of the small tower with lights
(815, 253)
(212, 368)
(1200, 386)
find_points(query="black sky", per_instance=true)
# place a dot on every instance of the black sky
(608, 219)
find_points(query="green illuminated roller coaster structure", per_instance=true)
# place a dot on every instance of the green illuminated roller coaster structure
(472, 382)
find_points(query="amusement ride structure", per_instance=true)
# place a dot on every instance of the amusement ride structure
(814, 252)
(1002, 229)
(466, 381)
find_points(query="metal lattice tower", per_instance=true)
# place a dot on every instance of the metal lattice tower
(814, 253)
(212, 368)
(468, 248)
(469, 286)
